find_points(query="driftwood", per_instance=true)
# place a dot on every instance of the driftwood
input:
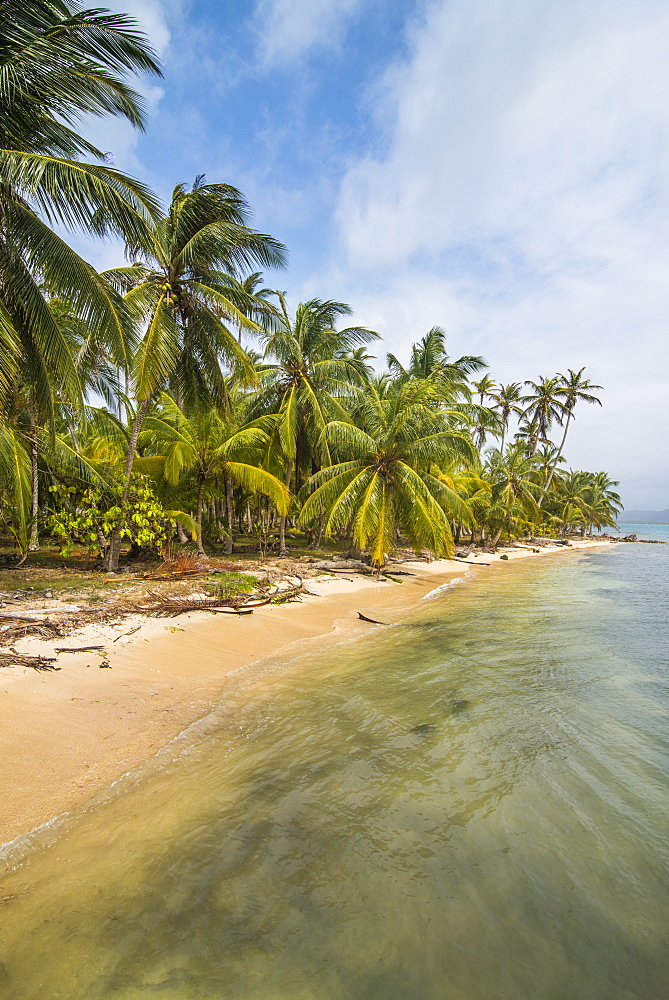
(469, 562)
(231, 611)
(23, 660)
(10, 618)
(367, 571)
(77, 649)
(124, 634)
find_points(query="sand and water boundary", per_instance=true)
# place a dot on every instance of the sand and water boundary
(67, 735)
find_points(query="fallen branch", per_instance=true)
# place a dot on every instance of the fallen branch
(77, 649)
(11, 617)
(123, 634)
(23, 660)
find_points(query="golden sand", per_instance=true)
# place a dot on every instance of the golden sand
(65, 736)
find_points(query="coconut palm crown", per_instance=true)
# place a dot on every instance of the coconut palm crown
(387, 479)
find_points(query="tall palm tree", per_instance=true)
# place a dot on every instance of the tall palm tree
(387, 479)
(544, 405)
(508, 400)
(573, 388)
(182, 288)
(313, 367)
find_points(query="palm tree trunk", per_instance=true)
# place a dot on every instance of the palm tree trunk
(229, 545)
(282, 529)
(555, 463)
(198, 515)
(114, 551)
(33, 544)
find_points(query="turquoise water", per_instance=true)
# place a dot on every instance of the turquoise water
(656, 531)
(470, 805)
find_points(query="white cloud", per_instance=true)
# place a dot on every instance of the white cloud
(287, 29)
(521, 200)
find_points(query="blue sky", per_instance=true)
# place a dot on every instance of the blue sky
(497, 167)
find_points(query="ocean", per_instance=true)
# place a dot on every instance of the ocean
(468, 805)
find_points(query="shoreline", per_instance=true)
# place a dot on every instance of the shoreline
(66, 736)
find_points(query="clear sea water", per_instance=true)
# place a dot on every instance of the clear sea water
(470, 805)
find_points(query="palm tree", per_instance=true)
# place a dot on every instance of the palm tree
(182, 287)
(544, 406)
(58, 64)
(573, 388)
(430, 360)
(470, 484)
(548, 458)
(210, 447)
(314, 367)
(15, 486)
(602, 503)
(514, 488)
(485, 389)
(508, 401)
(387, 480)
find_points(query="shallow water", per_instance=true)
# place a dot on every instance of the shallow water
(469, 806)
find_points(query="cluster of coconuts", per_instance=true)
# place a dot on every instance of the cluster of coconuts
(167, 288)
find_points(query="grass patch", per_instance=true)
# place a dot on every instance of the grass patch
(231, 584)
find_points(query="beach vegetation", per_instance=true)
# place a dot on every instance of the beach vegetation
(178, 400)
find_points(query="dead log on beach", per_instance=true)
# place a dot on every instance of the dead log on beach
(469, 562)
(372, 621)
(77, 649)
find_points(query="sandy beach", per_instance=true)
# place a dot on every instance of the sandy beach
(66, 735)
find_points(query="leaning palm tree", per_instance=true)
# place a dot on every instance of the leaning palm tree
(59, 63)
(387, 479)
(182, 287)
(312, 366)
(573, 389)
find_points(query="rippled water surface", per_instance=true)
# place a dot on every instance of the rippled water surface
(468, 806)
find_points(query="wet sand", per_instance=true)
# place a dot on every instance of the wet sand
(66, 735)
